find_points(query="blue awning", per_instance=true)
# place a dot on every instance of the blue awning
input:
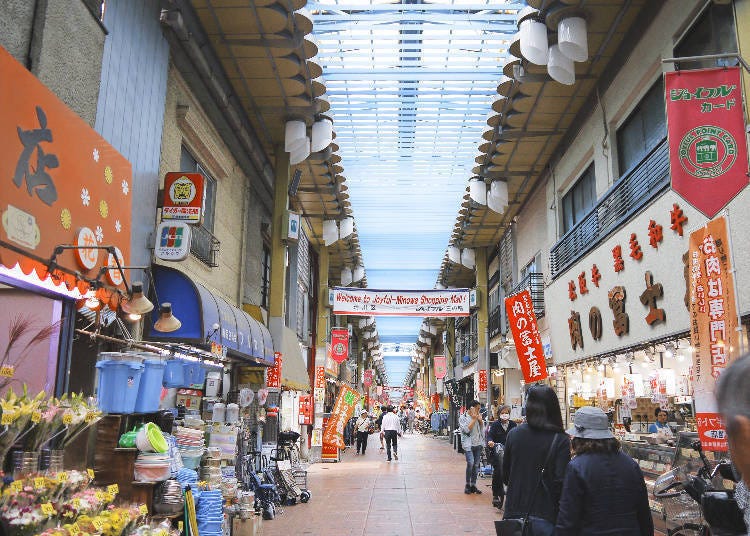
(198, 309)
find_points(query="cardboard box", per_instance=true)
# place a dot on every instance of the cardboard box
(247, 527)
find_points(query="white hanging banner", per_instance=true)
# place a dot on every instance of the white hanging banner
(371, 302)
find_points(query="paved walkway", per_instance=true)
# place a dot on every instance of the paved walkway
(420, 494)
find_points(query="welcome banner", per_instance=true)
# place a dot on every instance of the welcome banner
(342, 412)
(426, 303)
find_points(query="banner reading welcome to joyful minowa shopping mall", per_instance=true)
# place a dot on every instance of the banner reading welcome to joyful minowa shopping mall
(370, 302)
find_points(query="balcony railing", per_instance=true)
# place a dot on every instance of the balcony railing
(534, 281)
(495, 321)
(205, 246)
(627, 196)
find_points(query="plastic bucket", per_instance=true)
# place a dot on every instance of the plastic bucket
(174, 373)
(194, 374)
(149, 391)
(213, 382)
(119, 382)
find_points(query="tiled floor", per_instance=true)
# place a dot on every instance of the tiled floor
(420, 494)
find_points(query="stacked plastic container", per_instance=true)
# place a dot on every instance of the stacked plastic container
(119, 383)
(149, 391)
(210, 513)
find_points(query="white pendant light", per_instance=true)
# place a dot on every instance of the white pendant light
(561, 67)
(467, 258)
(295, 133)
(300, 153)
(497, 197)
(359, 273)
(347, 227)
(534, 43)
(322, 134)
(478, 191)
(571, 38)
(454, 254)
(346, 276)
(330, 232)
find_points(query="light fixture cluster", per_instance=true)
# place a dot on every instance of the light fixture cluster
(335, 230)
(299, 144)
(494, 195)
(465, 257)
(539, 48)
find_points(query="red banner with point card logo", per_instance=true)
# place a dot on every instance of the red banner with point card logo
(522, 320)
(440, 366)
(706, 130)
(339, 344)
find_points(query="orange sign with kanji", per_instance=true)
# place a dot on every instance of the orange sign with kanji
(273, 376)
(522, 320)
(61, 183)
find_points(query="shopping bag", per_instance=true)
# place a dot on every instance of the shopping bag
(512, 527)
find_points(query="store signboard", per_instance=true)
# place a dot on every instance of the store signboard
(713, 326)
(441, 367)
(339, 344)
(343, 409)
(706, 131)
(369, 374)
(273, 376)
(522, 320)
(320, 378)
(183, 197)
(172, 241)
(482, 380)
(425, 303)
(60, 183)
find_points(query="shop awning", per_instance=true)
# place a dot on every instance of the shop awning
(198, 309)
(293, 369)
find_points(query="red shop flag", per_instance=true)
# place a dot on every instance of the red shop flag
(339, 344)
(523, 325)
(440, 366)
(706, 130)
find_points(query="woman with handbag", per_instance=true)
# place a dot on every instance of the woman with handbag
(497, 434)
(536, 455)
(604, 491)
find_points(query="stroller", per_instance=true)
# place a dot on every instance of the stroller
(288, 487)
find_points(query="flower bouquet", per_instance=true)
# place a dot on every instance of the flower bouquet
(77, 415)
(16, 416)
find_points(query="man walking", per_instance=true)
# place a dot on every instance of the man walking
(472, 441)
(362, 428)
(391, 430)
(410, 416)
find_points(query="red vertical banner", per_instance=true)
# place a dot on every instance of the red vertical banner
(523, 325)
(713, 325)
(320, 378)
(706, 130)
(339, 344)
(273, 376)
(482, 380)
(440, 366)
(368, 376)
(342, 412)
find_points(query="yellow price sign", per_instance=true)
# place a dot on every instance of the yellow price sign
(113, 489)
(7, 371)
(180, 525)
(48, 509)
(36, 417)
(108, 497)
(17, 486)
(67, 419)
(98, 524)
(161, 532)
(143, 509)
(74, 529)
(77, 503)
(90, 472)
(62, 477)
(100, 495)
(40, 482)
(9, 417)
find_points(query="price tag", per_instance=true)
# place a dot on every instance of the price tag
(108, 497)
(17, 486)
(62, 477)
(90, 472)
(180, 524)
(9, 417)
(143, 509)
(67, 419)
(40, 482)
(160, 532)
(7, 371)
(98, 524)
(36, 417)
(74, 529)
(48, 509)
(77, 503)
(100, 495)
(113, 489)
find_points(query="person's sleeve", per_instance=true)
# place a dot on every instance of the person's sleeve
(561, 458)
(507, 457)
(492, 432)
(643, 509)
(463, 424)
(571, 503)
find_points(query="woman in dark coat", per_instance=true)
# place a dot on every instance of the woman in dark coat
(604, 492)
(526, 450)
(497, 434)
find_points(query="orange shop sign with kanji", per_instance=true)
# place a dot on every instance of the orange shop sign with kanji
(713, 324)
(273, 376)
(61, 183)
(523, 325)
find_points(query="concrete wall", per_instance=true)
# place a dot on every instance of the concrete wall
(61, 43)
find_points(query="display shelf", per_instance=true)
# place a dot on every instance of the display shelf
(654, 461)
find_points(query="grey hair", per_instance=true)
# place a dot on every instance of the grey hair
(733, 391)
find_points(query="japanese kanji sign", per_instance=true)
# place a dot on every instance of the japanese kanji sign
(342, 412)
(273, 376)
(60, 183)
(320, 378)
(440, 366)
(713, 323)
(706, 130)
(339, 344)
(523, 325)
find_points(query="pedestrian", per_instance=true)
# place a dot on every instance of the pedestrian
(362, 426)
(497, 434)
(472, 441)
(534, 461)
(603, 491)
(403, 416)
(410, 416)
(379, 423)
(391, 430)
(733, 396)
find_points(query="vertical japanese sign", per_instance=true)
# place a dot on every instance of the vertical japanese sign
(273, 376)
(320, 378)
(713, 323)
(368, 376)
(482, 381)
(342, 412)
(706, 130)
(523, 325)
(339, 344)
(440, 367)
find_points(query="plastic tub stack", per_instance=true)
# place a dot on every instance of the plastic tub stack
(191, 445)
(154, 464)
(210, 513)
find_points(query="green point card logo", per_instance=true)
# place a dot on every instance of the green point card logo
(707, 152)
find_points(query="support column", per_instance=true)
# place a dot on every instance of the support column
(277, 296)
(483, 339)
(321, 337)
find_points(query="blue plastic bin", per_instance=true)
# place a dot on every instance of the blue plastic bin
(174, 373)
(149, 392)
(118, 386)
(195, 374)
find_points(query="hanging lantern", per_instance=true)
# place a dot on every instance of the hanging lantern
(300, 152)
(346, 276)
(468, 258)
(295, 133)
(454, 254)
(330, 232)
(571, 38)
(359, 273)
(534, 43)
(497, 197)
(322, 134)
(561, 67)
(347, 227)
(478, 191)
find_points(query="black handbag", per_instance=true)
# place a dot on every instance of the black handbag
(522, 526)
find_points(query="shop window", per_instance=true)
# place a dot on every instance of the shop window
(204, 244)
(265, 290)
(643, 130)
(712, 33)
(579, 200)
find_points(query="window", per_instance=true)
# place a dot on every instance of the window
(204, 244)
(265, 290)
(713, 33)
(534, 267)
(643, 130)
(579, 200)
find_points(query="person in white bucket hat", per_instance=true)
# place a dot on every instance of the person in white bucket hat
(603, 491)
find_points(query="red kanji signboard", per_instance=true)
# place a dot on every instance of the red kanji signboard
(706, 130)
(522, 322)
(273, 376)
(339, 344)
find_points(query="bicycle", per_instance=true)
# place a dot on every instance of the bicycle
(287, 448)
